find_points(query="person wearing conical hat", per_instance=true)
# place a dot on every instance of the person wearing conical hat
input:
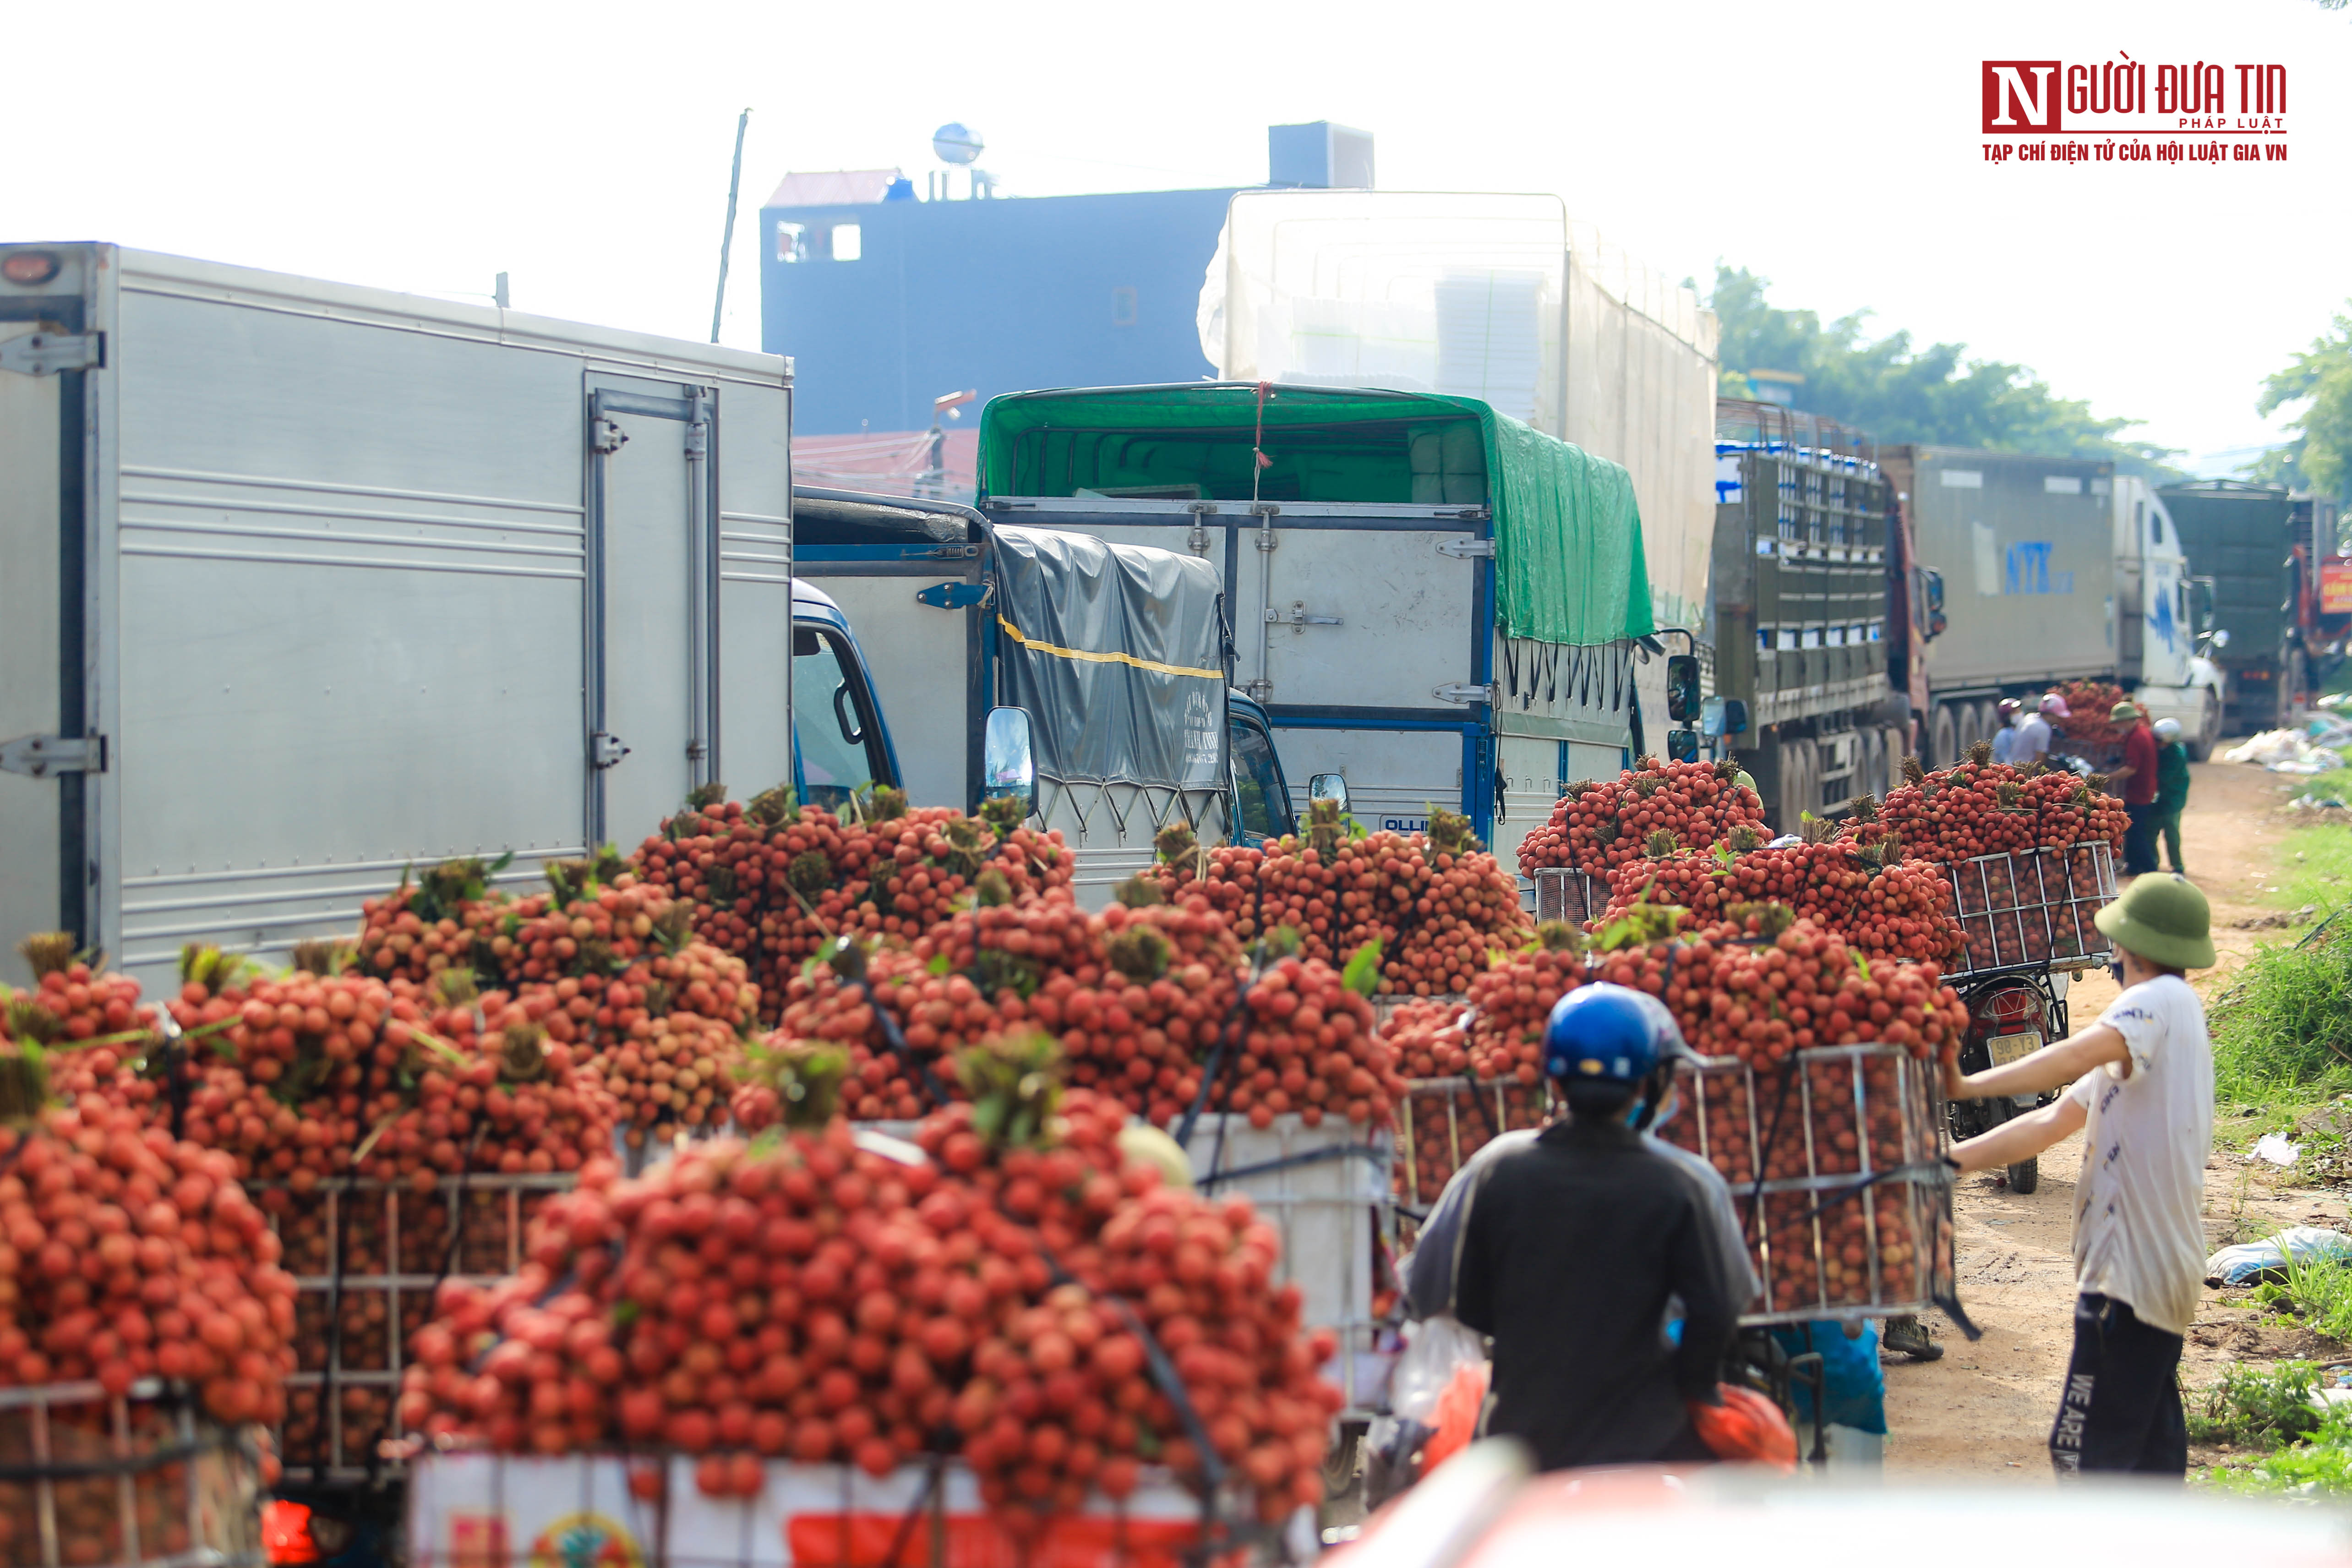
(2142, 1094)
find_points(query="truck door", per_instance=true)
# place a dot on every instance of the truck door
(652, 558)
(1261, 794)
(839, 743)
(39, 811)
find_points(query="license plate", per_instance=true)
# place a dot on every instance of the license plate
(2006, 1048)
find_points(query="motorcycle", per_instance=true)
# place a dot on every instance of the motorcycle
(2010, 1017)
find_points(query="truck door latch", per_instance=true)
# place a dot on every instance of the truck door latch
(1298, 619)
(1489, 694)
(605, 436)
(46, 354)
(606, 751)
(44, 756)
(952, 596)
(1467, 549)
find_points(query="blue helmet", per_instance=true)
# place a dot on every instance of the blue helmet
(1610, 1034)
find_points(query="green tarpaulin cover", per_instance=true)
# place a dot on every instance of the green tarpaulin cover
(1569, 561)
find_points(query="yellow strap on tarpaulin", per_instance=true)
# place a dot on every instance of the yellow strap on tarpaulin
(1014, 632)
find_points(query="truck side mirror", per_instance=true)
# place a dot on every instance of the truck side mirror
(1008, 763)
(1682, 745)
(1329, 786)
(1682, 688)
(1724, 716)
(2221, 637)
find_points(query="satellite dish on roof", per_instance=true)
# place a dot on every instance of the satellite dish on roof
(957, 143)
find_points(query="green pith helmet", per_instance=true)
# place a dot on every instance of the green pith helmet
(2165, 920)
(2122, 713)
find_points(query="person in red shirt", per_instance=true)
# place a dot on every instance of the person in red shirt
(2137, 778)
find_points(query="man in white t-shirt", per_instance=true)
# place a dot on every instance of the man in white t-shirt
(2032, 742)
(2142, 1083)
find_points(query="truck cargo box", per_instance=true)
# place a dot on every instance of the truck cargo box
(2025, 545)
(309, 582)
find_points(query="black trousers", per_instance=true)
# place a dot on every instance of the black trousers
(2140, 840)
(2121, 1407)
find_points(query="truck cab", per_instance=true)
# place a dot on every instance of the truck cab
(845, 745)
(910, 621)
(2161, 616)
(1261, 808)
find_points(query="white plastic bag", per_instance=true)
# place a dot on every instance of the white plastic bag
(1436, 1348)
(2266, 1259)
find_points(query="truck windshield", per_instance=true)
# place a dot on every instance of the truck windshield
(840, 745)
(1262, 802)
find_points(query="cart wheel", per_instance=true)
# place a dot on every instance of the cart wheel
(2025, 1175)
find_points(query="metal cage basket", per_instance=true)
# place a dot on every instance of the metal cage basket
(366, 1257)
(2034, 909)
(90, 1479)
(1836, 1163)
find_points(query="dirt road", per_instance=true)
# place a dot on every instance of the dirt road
(1984, 1411)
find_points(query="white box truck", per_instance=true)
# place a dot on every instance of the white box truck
(301, 584)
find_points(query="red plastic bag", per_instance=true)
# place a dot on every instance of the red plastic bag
(1456, 1415)
(285, 1533)
(1744, 1428)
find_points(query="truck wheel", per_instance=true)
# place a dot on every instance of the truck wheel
(2025, 1175)
(1943, 737)
(1798, 783)
(1873, 764)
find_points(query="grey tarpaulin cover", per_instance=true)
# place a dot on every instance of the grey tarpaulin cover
(1117, 652)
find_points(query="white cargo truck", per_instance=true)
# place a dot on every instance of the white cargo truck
(301, 584)
(1500, 297)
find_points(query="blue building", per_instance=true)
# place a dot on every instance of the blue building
(887, 301)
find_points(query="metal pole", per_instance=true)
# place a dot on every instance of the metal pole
(727, 240)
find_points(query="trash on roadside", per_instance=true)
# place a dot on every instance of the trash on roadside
(2311, 801)
(2294, 751)
(2255, 1262)
(2274, 1147)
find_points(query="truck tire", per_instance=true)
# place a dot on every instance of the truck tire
(1797, 786)
(2289, 680)
(1983, 717)
(1898, 746)
(1873, 780)
(1943, 737)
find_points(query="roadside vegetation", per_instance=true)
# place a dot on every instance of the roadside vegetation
(2282, 1024)
(2276, 1438)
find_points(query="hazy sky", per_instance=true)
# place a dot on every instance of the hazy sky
(1832, 148)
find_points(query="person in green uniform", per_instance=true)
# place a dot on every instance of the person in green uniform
(2171, 786)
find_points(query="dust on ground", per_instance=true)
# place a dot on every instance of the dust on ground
(1984, 1411)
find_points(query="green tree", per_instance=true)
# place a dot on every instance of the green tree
(1934, 394)
(2320, 456)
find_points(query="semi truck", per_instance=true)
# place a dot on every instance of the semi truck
(1809, 588)
(2266, 552)
(2040, 570)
